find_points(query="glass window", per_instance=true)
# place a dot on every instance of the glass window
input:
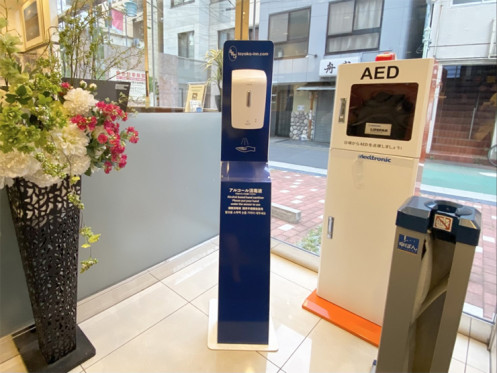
(180, 2)
(341, 18)
(224, 35)
(278, 26)
(457, 2)
(298, 25)
(289, 32)
(185, 44)
(354, 25)
(302, 109)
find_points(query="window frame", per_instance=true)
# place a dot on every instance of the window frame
(180, 3)
(288, 12)
(225, 31)
(353, 32)
(192, 33)
(472, 2)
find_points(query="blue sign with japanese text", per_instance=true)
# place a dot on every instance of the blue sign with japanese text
(407, 243)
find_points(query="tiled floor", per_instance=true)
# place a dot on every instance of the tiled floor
(306, 192)
(163, 328)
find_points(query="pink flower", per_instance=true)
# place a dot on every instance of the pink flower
(92, 122)
(119, 149)
(102, 138)
(123, 161)
(134, 134)
(107, 167)
(80, 121)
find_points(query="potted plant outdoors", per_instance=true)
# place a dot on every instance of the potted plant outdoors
(214, 62)
(50, 134)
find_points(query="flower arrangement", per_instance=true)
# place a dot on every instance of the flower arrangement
(50, 130)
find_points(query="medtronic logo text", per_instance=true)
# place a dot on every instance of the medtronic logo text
(374, 158)
(232, 53)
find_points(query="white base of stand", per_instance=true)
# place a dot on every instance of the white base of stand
(212, 335)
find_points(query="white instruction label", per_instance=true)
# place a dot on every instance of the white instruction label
(378, 129)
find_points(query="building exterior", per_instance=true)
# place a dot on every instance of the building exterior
(461, 36)
(313, 37)
(192, 28)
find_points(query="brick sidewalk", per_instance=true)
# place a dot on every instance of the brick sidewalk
(307, 193)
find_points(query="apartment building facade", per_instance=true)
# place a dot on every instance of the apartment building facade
(461, 36)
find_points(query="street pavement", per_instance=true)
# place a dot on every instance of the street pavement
(299, 171)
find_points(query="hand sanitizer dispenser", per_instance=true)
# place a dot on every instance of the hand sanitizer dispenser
(248, 98)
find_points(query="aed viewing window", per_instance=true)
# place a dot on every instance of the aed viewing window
(384, 111)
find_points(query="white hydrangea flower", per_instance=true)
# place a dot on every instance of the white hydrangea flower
(5, 181)
(70, 140)
(72, 143)
(41, 179)
(79, 164)
(78, 101)
(17, 164)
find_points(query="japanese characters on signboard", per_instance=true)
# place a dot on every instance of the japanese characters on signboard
(329, 67)
(138, 90)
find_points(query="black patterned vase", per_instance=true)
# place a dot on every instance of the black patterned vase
(47, 230)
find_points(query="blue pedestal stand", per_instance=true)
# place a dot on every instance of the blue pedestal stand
(240, 318)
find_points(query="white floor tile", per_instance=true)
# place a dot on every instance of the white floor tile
(295, 273)
(480, 330)
(202, 301)
(13, 365)
(460, 351)
(78, 369)
(196, 278)
(470, 369)
(478, 356)
(8, 348)
(157, 331)
(103, 300)
(179, 344)
(456, 366)
(117, 325)
(331, 349)
(291, 322)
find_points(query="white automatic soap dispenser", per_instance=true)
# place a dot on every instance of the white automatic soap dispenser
(248, 98)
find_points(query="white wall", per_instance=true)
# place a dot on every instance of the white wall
(462, 32)
(165, 201)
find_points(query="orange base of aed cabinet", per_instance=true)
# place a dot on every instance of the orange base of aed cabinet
(344, 319)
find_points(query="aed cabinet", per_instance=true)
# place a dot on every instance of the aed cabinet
(380, 115)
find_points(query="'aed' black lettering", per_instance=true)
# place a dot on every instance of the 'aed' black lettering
(380, 72)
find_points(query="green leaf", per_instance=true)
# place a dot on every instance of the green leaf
(94, 238)
(24, 100)
(85, 245)
(74, 179)
(87, 264)
(21, 90)
(10, 98)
